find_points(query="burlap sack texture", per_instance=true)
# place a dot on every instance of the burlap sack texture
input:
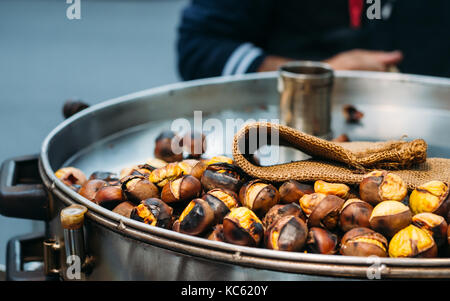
(340, 162)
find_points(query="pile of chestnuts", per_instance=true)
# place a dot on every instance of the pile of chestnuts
(215, 199)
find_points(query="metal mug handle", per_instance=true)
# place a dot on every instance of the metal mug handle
(22, 193)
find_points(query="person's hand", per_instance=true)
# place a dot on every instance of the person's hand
(272, 63)
(365, 60)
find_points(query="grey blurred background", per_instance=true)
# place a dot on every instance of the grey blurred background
(117, 47)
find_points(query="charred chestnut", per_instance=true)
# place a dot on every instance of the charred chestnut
(354, 214)
(193, 167)
(109, 197)
(351, 114)
(109, 177)
(71, 176)
(71, 107)
(222, 175)
(195, 219)
(217, 233)
(288, 233)
(182, 189)
(242, 227)
(194, 143)
(221, 201)
(138, 188)
(321, 241)
(279, 211)
(259, 196)
(431, 197)
(379, 185)
(364, 242)
(228, 197)
(154, 212)
(309, 201)
(389, 217)
(326, 213)
(434, 224)
(412, 242)
(124, 209)
(161, 176)
(168, 147)
(340, 190)
(90, 188)
(291, 191)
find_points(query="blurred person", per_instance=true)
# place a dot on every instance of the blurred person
(227, 37)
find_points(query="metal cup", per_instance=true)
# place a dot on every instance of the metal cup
(305, 102)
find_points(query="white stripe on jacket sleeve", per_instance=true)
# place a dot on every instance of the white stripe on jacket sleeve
(248, 59)
(238, 54)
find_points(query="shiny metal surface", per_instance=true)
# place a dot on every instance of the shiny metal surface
(120, 132)
(305, 100)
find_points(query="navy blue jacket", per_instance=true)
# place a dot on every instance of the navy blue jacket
(225, 37)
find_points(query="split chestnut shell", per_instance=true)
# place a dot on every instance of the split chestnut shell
(289, 233)
(364, 242)
(154, 212)
(259, 196)
(242, 227)
(196, 218)
(412, 242)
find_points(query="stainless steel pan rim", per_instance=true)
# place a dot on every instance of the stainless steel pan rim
(115, 221)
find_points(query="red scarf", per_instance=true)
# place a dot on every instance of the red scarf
(355, 9)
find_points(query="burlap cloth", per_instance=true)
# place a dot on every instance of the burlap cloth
(338, 162)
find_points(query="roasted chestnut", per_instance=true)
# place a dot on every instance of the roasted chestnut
(379, 185)
(72, 106)
(340, 190)
(182, 189)
(309, 201)
(242, 227)
(138, 188)
(194, 143)
(291, 191)
(321, 241)
(90, 188)
(351, 114)
(228, 197)
(109, 197)
(431, 197)
(364, 242)
(193, 167)
(288, 233)
(168, 147)
(161, 176)
(109, 177)
(434, 224)
(219, 159)
(196, 218)
(124, 209)
(71, 176)
(412, 242)
(341, 138)
(326, 213)
(222, 175)
(354, 214)
(389, 217)
(156, 163)
(259, 196)
(154, 212)
(279, 211)
(221, 201)
(217, 233)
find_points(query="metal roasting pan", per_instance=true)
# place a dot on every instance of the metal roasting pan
(121, 132)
